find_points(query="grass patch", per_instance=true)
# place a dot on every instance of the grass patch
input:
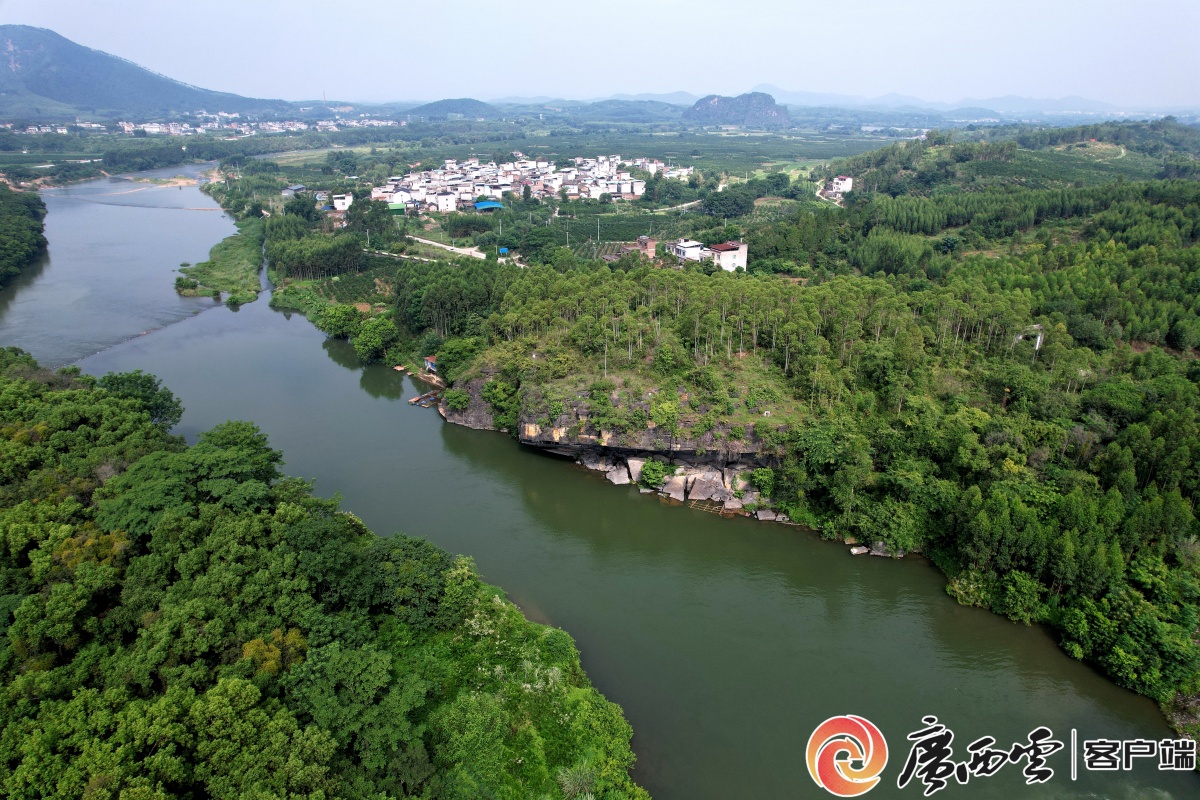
(233, 264)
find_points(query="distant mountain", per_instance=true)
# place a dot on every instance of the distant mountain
(808, 98)
(755, 110)
(45, 75)
(528, 101)
(972, 114)
(674, 98)
(1008, 105)
(463, 107)
(1011, 104)
(638, 111)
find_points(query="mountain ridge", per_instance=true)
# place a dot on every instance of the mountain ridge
(44, 70)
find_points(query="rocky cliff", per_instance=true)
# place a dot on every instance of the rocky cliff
(754, 109)
(478, 413)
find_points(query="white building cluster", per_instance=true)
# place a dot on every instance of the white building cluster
(459, 184)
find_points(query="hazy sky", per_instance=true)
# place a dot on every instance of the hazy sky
(1136, 54)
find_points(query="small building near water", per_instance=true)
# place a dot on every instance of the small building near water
(431, 364)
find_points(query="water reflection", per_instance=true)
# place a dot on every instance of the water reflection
(766, 627)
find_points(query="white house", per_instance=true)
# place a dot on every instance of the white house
(688, 249)
(445, 202)
(341, 202)
(728, 255)
(842, 184)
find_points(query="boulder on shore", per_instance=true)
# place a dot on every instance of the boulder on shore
(675, 488)
(618, 475)
(595, 461)
(766, 515)
(703, 489)
(635, 468)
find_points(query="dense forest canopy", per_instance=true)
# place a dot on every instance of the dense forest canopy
(185, 622)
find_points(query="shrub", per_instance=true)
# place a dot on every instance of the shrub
(653, 474)
(457, 399)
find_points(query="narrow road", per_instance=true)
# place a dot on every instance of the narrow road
(679, 207)
(473, 252)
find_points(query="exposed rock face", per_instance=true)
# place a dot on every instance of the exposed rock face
(478, 414)
(755, 109)
(713, 468)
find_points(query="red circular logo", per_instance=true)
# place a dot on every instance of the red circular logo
(834, 749)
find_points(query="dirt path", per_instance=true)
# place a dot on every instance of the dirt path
(473, 252)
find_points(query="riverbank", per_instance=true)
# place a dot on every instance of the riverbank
(22, 231)
(232, 267)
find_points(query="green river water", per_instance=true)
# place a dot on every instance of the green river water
(725, 641)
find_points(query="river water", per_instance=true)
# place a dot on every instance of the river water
(725, 641)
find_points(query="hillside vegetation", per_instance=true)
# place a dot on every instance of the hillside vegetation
(185, 622)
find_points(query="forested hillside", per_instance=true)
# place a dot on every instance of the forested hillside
(1008, 157)
(185, 622)
(21, 227)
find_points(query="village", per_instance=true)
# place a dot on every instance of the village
(476, 187)
(207, 123)
(462, 184)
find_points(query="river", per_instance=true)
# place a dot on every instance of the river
(725, 641)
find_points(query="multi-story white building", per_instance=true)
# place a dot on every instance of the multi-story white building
(728, 255)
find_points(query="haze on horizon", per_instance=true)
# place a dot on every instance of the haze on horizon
(376, 51)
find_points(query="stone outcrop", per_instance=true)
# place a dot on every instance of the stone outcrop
(712, 468)
(478, 413)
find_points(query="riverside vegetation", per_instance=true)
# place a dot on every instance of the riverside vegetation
(991, 366)
(185, 622)
(21, 231)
